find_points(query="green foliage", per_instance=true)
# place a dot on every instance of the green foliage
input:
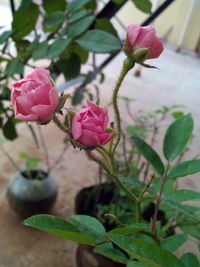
(77, 16)
(136, 264)
(4, 36)
(9, 130)
(80, 26)
(190, 260)
(23, 24)
(59, 227)
(172, 243)
(58, 47)
(89, 226)
(104, 24)
(182, 195)
(107, 250)
(14, 66)
(40, 51)
(181, 209)
(177, 137)
(31, 162)
(91, 40)
(51, 6)
(76, 4)
(185, 168)
(144, 5)
(70, 66)
(151, 255)
(132, 228)
(149, 154)
(53, 20)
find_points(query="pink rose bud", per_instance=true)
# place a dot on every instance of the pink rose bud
(89, 126)
(34, 98)
(142, 38)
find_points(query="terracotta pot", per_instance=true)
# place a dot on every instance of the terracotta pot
(28, 196)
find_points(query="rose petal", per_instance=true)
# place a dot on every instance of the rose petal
(76, 127)
(29, 117)
(42, 94)
(89, 138)
(43, 112)
(105, 138)
(40, 75)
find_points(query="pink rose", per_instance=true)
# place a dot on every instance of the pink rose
(34, 98)
(143, 37)
(89, 126)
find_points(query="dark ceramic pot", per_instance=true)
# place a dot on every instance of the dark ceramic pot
(28, 196)
(85, 203)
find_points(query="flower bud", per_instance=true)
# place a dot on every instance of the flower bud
(139, 37)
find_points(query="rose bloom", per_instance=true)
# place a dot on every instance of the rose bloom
(89, 126)
(34, 98)
(143, 37)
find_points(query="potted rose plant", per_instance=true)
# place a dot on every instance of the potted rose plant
(139, 243)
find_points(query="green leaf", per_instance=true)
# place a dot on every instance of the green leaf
(182, 195)
(190, 260)
(104, 24)
(146, 252)
(185, 168)
(135, 130)
(190, 227)
(89, 226)
(177, 114)
(136, 264)
(133, 181)
(108, 251)
(53, 20)
(80, 26)
(25, 4)
(133, 228)
(172, 243)
(91, 40)
(76, 4)
(40, 51)
(51, 6)
(177, 137)
(32, 163)
(149, 154)
(58, 47)
(181, 209)
(70, 67)
(14, 67)
(4, 36)
(77, 16)
(82, 53)
(9, 130)
(24, 21)
(59, 227)
(77, 97)
(144, 5)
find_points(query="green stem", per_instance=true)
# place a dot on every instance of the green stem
(127, 65)
(10, 158)
(159, 198)
(60, 125)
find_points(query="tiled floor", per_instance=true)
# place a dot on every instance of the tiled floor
(176, 82)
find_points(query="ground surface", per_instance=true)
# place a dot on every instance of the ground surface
(177, 82)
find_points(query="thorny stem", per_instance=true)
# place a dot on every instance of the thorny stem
(128, 65)
(60, 125)
(159, 198)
